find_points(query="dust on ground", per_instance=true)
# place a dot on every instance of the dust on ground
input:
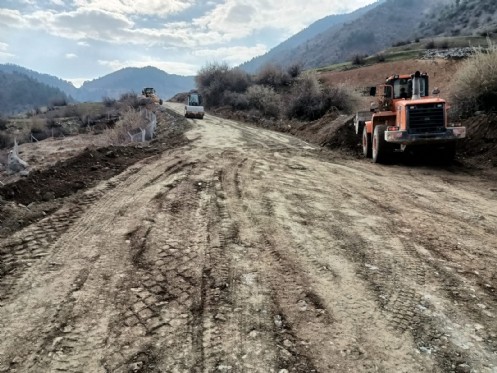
(248, 250)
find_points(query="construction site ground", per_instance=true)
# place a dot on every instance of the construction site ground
(222, 247)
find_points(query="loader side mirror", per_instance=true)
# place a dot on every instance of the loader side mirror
(436, 91)
(372, 91)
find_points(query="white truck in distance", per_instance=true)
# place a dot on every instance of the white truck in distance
(193, 107)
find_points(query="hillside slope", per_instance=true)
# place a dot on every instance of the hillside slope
(111, 85)
(47, 79)
(135, 79)
(467, 17)
(282, 52)
(381, 25)
(19, 93)
(390, 22)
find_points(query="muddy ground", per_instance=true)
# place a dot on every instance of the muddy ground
(239, 249)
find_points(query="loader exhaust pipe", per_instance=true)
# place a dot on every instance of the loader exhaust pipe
(416, 85)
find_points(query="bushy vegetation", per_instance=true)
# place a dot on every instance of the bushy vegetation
(475, 84)
(359, 59)
(273, 92)
(310, 100)
(265, 99)
(217, 81)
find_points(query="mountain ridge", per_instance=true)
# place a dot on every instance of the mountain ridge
(282, 51)
(112, 85)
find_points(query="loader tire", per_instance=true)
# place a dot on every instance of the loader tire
(448, 153)
(381, 150)
(366, 143)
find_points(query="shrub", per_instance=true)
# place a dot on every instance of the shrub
(430, 45)
(238, 101)
(130, 99)
(215, 79)
(38, 125)
(58, 101)
(108, 102)
(273, 76)
(6, 141)
(401, 43)
(294, 70)
(474, 86)
(306, 101)
(358, 59)
(264, 99)
(129, 121)
(3, 123)
(380, 57)
(310, 101)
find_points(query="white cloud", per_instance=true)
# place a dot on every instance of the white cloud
(240, 18)
(172, 67)
(138, 7)
(232, 55)
(4, 54)
(80, 24)
(178, 36)
(12, 18)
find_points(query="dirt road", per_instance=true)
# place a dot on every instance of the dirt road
(251, 251)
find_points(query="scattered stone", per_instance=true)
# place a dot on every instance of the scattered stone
(425, 350)
(283, 371)
(463, 368)
(220, 317)
(451, 53)
(287, 343)
(136, 367)
(278, 321)
(24, 173)
(48, 196)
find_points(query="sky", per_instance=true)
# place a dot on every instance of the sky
(80, 40)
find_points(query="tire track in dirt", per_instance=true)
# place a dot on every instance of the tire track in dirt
(64, 251)
(304, 254)
(404, 303)
(163, 300)
(283, 272)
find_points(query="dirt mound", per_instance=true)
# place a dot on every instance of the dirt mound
(480, 146)
(31, 198)
(333, 130)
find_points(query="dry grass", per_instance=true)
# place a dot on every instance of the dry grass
(474, 87)
(130, 121)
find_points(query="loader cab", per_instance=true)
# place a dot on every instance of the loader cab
(194, 99)
(404, 83)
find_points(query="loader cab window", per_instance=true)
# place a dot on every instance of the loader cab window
(401, 88)
(194, 100)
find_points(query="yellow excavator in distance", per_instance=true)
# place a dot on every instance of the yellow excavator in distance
(149, 94)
